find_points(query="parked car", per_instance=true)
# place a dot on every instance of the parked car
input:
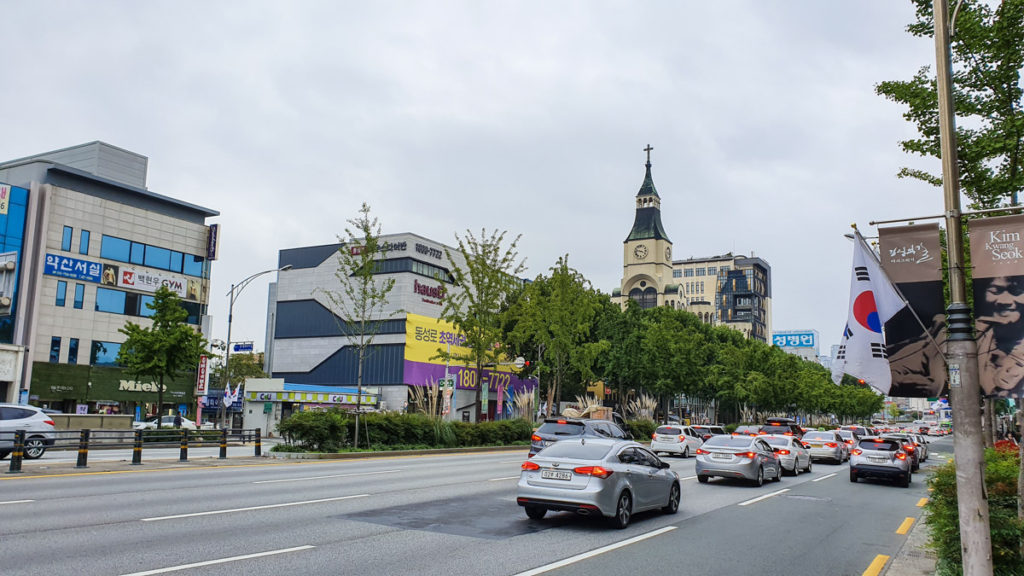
(793, 455)
(597, 476)
(706, 431)
(166, 422)
(556, 429)
(675, 439)
(827, 445)
(746, 457)
(38, 426)
(880, 457)
(786, 426)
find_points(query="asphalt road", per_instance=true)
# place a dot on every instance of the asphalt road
(439, 514)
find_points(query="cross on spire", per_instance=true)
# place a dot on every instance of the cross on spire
(648, 150)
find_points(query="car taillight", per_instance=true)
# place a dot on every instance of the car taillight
(901, 455)
(535, 438)
(653, 436)
(857, 452)
(787, 433)
(50, 422)
(706, 436)
(702, 451)
(783, 452)
(528, 465)
(682, 438)
(593, 471)
(831, 444)
(562, 422)
(850, 442)
(746, 454)
(908, 447)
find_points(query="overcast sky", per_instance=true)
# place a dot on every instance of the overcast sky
(522, 116)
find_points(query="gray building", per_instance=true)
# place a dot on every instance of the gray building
(96, 245)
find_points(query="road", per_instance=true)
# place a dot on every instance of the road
(438, 514)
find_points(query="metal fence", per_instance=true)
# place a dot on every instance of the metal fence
(137, 440)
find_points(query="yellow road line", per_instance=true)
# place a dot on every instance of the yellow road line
(922, 502)
(905, 527)
(876, 565)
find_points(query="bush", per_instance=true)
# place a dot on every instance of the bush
(642, 430)
(315, 430)
(1001, 470)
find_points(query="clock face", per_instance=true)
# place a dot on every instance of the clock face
(640, 252)
(668, 254)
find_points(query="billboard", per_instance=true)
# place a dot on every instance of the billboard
(803, 339)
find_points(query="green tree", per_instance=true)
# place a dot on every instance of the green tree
(361, 304)
(484, 280)
(165, 349)
(243, 366)
(987, 48)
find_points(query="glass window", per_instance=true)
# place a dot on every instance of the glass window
(712, 270)
(193, 265)
(115, 248)
(83, 242)
(700, 271)
(62, 292)
(138, 253)
(73, 351)
(158, 258)
(65, 243)
(108, 300)
(55, 350)
(104, 353)
(677, 273)
(688, 272)
(144, 309)
(79, 295)
(176, 261)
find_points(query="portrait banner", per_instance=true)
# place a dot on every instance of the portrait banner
(997, 258)
(915, 337)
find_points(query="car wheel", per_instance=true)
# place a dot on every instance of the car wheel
(809, 462)
(623, 510)
(673, 500)
(760, 477)
(3, 454)
(686, 452)
(796, 468)
(778, 474)
(853, 476)
(536, 512)
(702, 478)
(34, 448)
(906, 481)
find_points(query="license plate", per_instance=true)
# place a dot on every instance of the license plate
(722, 456)
(816, 445)
(667, 439)
(555, 475)
(879, 459)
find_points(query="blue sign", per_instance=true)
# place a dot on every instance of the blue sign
(242, 347)
(67, 267)
(794, 339)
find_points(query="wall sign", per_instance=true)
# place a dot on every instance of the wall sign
(67, 267)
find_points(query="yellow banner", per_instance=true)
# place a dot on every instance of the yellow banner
(425, 335)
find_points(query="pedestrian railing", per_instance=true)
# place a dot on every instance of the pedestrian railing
(137, 440)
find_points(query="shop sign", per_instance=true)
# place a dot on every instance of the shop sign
(67, 267)
(128, 277)
(5, 198)
(133, 386)
(202, 376)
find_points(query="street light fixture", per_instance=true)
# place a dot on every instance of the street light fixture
(236, 289)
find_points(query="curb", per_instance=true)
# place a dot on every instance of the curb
(356, 455)
(914, 557)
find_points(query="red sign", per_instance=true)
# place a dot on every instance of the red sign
(201, 376)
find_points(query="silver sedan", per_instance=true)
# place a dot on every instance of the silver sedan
(597, 476)
(793, 456)
(747, 457)
(827, 445)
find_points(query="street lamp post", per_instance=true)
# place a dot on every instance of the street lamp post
(236, 289)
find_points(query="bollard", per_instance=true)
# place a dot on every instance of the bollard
(18, 452)
(259, 445)
(137, 449)
(183, 457)
(83, 449)
(223, 443)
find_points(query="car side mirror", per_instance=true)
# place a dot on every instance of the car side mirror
(664, 465)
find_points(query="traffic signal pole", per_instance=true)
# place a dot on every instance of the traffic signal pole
(961, 347)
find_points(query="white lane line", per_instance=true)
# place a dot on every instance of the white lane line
(221, 561)
(16, 502)
(825, 477)
(592, 553)
(503, 478)
(267, 507)
(766, 496)
(322, 477)
(688, 478)
(520, 461)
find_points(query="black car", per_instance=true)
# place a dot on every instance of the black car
(784, 426)
(555, 429)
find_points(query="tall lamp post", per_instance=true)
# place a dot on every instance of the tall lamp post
(236, 289)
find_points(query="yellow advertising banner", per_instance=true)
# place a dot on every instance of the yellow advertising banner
(425, 335)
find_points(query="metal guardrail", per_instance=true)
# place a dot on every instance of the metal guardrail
(137, 440)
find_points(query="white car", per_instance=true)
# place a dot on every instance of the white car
(166, 422)
(676, 439)
(38, 427)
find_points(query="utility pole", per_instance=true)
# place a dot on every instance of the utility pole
(961, 347)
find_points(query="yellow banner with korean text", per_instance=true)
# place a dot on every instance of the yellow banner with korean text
(424, 336)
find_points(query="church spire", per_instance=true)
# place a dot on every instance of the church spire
(647, 224)
(647, 188)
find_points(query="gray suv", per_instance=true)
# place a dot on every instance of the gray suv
(38, 427)
(880, 458)
(555, 429)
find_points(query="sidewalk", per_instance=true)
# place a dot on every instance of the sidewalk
(914, 558)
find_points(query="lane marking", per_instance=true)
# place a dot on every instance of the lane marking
(503, 478)
(596, 552)
(826, 477)
(266, 507)
(16, 502)
(329, 476)
(220, 561)
(688, 478)
(922, 502)
(905, 527)
(766, 496)
(876, 565)
(510, 461)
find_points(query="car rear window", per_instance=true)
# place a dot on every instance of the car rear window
(668, 430)
(576, 450)
(844, 433)
(888, 445)
(775, 441)
(556, 429)
(727, 442)
(817, 435)
(777, 429)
